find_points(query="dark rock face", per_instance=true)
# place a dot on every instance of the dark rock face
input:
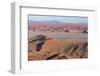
(66, 31)
(51, 57)
(38, 37)
(84, 31)
(39, 46)
(38, 40)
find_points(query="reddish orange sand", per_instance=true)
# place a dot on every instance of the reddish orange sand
(58, 49)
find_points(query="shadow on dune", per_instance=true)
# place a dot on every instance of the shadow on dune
(38, 40)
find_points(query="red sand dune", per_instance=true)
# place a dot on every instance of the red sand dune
(56, 49)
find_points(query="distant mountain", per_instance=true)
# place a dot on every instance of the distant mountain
(56, 26)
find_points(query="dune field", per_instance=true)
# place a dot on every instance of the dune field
(68, 46)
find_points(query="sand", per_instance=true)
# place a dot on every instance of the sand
(59, 49)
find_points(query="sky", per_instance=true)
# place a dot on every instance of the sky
(66, 19)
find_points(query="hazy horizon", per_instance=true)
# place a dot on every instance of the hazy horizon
(64, 19)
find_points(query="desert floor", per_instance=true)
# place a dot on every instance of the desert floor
(68, 48)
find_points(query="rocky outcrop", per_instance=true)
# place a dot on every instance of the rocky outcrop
(38, 41)
(56, 26)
